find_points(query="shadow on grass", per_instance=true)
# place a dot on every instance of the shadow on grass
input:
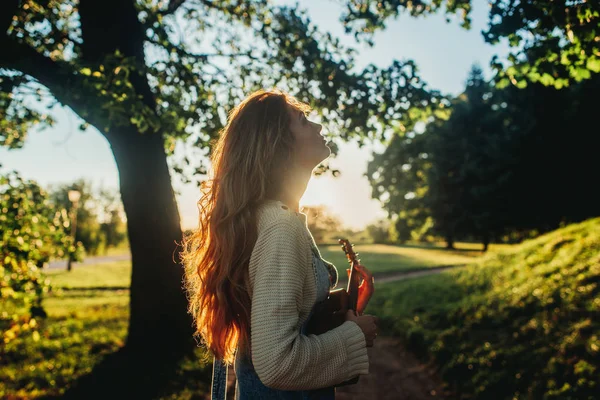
(123, 375)
(92, 288)
(432, 246)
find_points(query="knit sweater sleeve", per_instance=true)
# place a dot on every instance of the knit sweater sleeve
(284, 358)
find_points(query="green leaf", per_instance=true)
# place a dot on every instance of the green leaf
(593, 64)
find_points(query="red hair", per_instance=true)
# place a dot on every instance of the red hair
(247, 160)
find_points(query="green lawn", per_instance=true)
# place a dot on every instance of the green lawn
(522, 323)
(384, 258)
(113, 274)
(377, 257)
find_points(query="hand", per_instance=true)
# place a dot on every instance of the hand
(367, 323)
(365, 289)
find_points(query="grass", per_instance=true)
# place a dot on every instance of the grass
(74, 337)
(111, 274)
(385, 258)
(87, 320)
(117, 251)
(521, 323)
(88, 311)
(377, 257)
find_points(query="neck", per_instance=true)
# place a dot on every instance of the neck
(293, 188)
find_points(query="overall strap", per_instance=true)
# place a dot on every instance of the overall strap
(219, 380)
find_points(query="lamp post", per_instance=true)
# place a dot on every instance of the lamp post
(74, 196)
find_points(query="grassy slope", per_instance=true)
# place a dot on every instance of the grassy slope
(521, 323)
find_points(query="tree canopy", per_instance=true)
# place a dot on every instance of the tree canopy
(503, 161)
(553, 42)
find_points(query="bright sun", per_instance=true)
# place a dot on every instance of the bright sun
(319, 191)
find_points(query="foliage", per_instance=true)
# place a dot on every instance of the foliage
(489, 169)
(379, 231)
(554, 42)
(520, 323)
(398, 178)
(31, 233)
(471, 157)
(179, 91)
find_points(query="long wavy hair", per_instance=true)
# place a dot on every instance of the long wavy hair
(248, 161)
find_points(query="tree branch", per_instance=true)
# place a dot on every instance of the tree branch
(113, 25)
(58, 76)
(201, 56)
(8, 8)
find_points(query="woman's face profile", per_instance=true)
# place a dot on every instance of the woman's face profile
(310, 147)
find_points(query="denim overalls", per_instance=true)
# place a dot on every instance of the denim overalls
(248, 385)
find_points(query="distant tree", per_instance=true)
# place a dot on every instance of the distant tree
(88, 227)
(321, 221)
(398, 178)
(504, 161)
(553, 149)
(471, 159)
(112, 222)
(379, 231)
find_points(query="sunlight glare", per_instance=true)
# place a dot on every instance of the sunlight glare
(319, 192)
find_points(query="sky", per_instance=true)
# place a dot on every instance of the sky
(444, 53)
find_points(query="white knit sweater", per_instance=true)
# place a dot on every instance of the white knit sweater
(283, 292)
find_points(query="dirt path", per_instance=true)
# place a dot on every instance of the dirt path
(394, 372)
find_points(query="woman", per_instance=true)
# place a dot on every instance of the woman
(253, 271)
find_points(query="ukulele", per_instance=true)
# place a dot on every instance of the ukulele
(331, 312)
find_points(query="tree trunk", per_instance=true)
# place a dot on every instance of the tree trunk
(159, 320)
(486, 242)
(449, 241)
